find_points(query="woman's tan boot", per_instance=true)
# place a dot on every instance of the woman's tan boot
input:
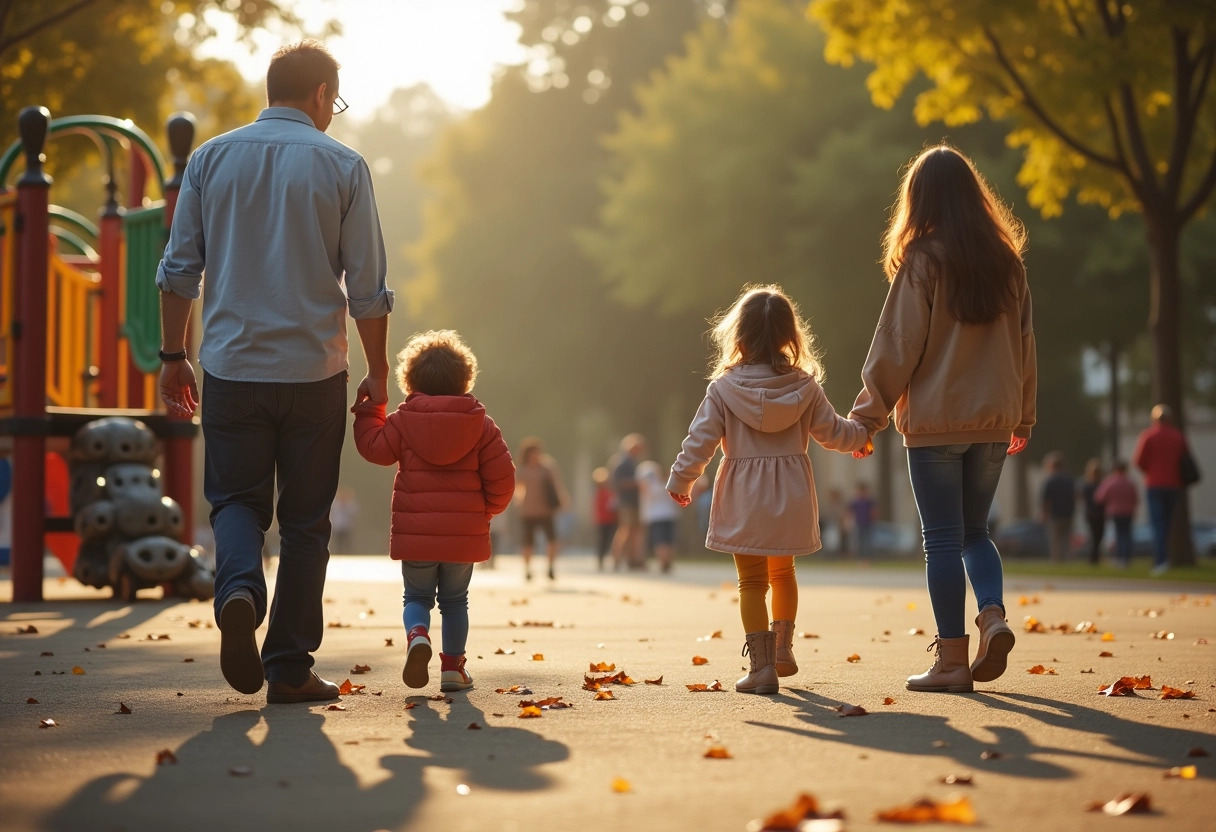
(996, 640)
(761, 648)
(950, 672)
(787, 665)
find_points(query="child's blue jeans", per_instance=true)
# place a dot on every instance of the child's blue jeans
(426, 581)
(954, 486)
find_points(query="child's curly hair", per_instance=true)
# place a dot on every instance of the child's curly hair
(437, 363)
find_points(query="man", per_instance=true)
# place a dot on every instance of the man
(1059, 508)
(284, 221)
(1159, 452)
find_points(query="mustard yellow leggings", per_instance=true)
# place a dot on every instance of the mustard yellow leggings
(756, 574)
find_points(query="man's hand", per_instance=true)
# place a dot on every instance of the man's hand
(178, 388)
(682, 499)
(372, 389)
(866, 451)
(1016, 445)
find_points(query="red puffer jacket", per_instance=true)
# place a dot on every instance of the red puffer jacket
(454, 473)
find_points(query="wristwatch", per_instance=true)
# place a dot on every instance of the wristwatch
(171, 356)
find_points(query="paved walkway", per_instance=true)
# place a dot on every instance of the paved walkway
(394, 761)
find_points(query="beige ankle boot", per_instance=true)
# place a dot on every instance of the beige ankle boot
(996, 640)
(950, 672)
(761, 648)
(787, 665)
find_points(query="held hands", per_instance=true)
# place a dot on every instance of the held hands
(866, 451)
(1016, 445)
(373, 390)
(682, 499)
(178, 388)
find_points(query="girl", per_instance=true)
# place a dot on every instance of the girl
(762, 406)
(454, 473)
(954, 356)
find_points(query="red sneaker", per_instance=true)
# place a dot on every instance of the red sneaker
(452, 675)
(417, 656)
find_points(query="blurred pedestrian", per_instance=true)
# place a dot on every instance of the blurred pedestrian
(627, 544)
(342, 516)
(1118, 497)
(1059, 508)
(540, 496)
(841, 518)
(604, 506)
(864, 511)
(1095, 515)
(954, 356)
(1159, 456)
(659, 513)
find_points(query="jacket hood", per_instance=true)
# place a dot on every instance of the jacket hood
(441, 429)
(764, 399)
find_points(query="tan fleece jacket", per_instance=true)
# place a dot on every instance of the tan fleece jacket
(949, 383)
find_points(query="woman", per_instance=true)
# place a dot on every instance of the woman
(539, 496)
(954, 356)
(1095, 513)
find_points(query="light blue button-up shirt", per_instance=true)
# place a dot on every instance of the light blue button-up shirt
(283, 220)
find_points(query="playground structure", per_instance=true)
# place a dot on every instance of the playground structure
(80, 324)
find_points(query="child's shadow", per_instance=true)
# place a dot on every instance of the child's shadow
(919, 734)
(493, 756)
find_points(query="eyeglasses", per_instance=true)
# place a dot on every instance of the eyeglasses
(340, 106)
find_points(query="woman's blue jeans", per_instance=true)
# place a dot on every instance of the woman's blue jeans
(954, 486)
(426, 581)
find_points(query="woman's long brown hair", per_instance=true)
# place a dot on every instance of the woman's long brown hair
(947, 212)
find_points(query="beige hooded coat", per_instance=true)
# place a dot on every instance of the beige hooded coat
(764, 495)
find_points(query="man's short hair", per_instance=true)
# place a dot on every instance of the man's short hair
(297, 69)
(437, 363)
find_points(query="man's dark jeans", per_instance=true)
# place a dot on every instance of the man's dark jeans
(255, 433)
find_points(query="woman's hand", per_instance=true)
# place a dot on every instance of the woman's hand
(866, 451)
(682, 499)
(1016, 445)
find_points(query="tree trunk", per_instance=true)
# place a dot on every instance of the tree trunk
(1165, 325)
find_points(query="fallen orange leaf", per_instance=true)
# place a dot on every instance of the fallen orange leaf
(346, 688)
(165, 756)
(790, 819)
(1198, 751)
(1108, 636)
(928, 811)
(530, 713)
(1106, 654)
(657, 681)
(703, 688)
(602, 667)
(1163, 635)
(336, 707)
(1168, 692)
(1182, 772)
(851, 710)
(808, 635)
(47, 723)
(538, 657)
(439, 697)
(853, 659)
(699, 660)
(31, 701)
(620, 785)
(122, 709)
(388, 642)
(888, 701)
(518, 690)
(77, 671)
(1039, 670)
(360, 668)
(916, 631)
(719, 752)
(501, 652)
(1086, 627)
(1138, 682)
(473, 726)
(1118, 688)
(604, 694)
(1124, 804)
(957, 779)
(716, 634)
(409, 706)
(1033, 625)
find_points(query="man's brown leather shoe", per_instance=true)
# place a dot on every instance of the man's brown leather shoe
(315, 689)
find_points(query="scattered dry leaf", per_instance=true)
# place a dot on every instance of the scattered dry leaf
(501, 652)
(473, 726)
(122, 709)
(851, 710)
(620, 785)
(31, 701)
(165, 756)
(929, 811)
(409, 706)
(337, 625)
(157, 637)
(602, 667)
(703, 688)
(657, 681)
(46, 653)
(518, 690)
(346, 688)
(853, 659)
(439, 697)
(187, 661)
(336, 707)
(388, 642)
(1182, 772)
(360, 668)
(958, 779)
(808, 635)
(604, 694)
(793, 817)
(719, 752)
(1033, 625)
(1039, 670)
(1086, 627)
(538, 657)
(1198, 751)
(530, 713)
(1168, 692)
(1163, 635)
(1108, 636)
(991, 754)
(1106, 654)
(78, 671)
(47, 723)
(699, 660)
(1124, 804)
(27, 631)
(888, 701)
(916, 631)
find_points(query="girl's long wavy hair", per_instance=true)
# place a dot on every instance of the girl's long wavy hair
(763, 327)
(947, 212)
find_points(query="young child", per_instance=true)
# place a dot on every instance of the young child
(454, 473)
(762, 405)
(605, 514)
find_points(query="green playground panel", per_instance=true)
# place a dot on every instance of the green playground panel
(144, 229)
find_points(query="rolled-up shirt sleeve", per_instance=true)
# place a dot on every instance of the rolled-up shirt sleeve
(361, 250)
(181, 269)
